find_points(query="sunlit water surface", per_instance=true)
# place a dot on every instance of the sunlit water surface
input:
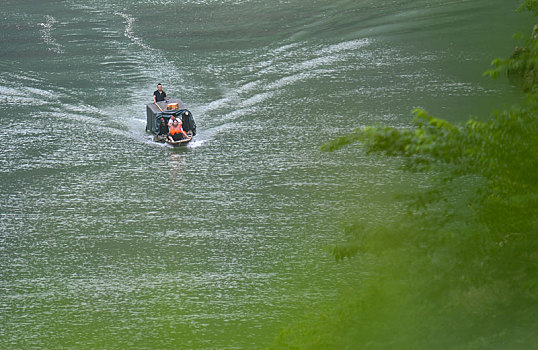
(108, 240)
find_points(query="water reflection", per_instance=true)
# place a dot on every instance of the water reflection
(176, 162)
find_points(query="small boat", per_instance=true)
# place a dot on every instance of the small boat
(179, 143)
(158, 115)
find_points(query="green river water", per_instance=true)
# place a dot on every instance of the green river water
(108, 240)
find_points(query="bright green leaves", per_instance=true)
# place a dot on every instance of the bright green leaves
(529, 5)
(459, 269)
(503, 149)
(523, 64)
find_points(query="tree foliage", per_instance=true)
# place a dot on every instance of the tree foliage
(523, 64)
(529, 5)
(502, 149)
(460, 270)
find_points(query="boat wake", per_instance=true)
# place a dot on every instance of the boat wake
(129, 32)
(274, 70)
(46, 35)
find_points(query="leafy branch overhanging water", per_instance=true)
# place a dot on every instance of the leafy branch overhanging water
(461, 269)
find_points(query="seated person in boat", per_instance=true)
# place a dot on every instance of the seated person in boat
(163, 128)
(171, 120)
(176, 133)
(159, 94)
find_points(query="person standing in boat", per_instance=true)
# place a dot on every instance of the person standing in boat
(159, 94)
(176, 133)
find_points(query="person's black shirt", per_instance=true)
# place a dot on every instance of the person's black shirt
(159, 96)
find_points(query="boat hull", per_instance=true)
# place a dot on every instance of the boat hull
(164, 139)
(179, 143)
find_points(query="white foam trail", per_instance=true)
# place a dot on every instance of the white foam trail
(346, 45)
(129, 33)
(258, 98)
(278, 60)
(147, 55)
(46, 35)
(24, 94)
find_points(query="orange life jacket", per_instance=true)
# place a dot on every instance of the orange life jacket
(176, 129)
